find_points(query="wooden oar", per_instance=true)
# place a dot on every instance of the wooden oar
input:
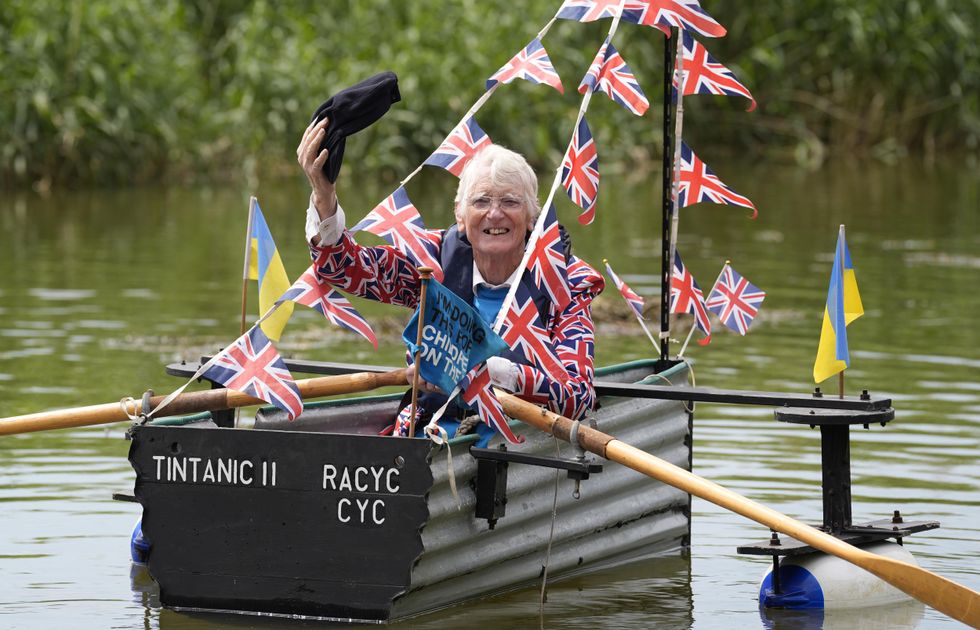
(955, 600)
(193, 402)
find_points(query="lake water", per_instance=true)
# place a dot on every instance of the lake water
(101, 289)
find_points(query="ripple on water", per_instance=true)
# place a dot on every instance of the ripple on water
(61, 294)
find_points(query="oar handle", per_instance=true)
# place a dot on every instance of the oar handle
(194, 402)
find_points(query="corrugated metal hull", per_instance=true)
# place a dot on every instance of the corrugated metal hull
(621, 515)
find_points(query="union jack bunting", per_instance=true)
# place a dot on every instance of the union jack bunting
(635, 301)
(588, 10)
(547, 262)
(610, 73)
(478, 392)
(697, 183)
(531, 64)
(735, 300)
(522, 331)
(310, 290)
(580, 171)
(459, 147)
(252, 365)
(663, 14)
(686, 296)
(704, 75)
(397, 221)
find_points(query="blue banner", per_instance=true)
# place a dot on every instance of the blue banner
(455, 339)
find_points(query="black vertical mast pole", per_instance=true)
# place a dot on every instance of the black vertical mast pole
(668, 201)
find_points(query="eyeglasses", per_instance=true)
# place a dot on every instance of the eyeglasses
(485, 202)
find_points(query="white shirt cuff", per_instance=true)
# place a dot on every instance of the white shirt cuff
(329, 230)
(503, 373)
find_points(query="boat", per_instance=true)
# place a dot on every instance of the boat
(322, 517)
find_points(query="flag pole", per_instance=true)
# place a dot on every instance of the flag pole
(425, 273)
(667, 262)
(639, 318)
(691, 332)
(840, 257)
(248, 259)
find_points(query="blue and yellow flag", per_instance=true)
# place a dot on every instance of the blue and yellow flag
(266, 267)
(843, 307)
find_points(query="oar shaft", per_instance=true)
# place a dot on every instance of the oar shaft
(943, 594)
(193, 402)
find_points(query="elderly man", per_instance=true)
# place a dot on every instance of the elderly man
(496, 206)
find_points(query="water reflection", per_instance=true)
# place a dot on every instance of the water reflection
(96, 300)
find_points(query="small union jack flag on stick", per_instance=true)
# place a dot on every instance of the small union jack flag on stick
(635, 301)
(459, 147)
(686, 297)
(547, 261)
(252, 365)
(697, 183)
(588, 10)
(663, 14)
(735, 300)
(704, 75)
(397, 221)
(478, 392)
(580, 171)
(531, 64)
(610, 73)
(310, 290)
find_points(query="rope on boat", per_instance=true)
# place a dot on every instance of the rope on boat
(551, 536)
(439, 437)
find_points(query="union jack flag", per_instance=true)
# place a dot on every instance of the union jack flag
(459, 147)
(531, 64)
(580, 171)
(697, 183)
(686, 296)
(310, 290)
(663, 14)
(478, 392)
(397, 221)
(735, 300)
(588, 10)
(635, 301)
(610, 73)
(704, 75)
(523, 332)
(403, 422)
(252, 365)
(547, 262)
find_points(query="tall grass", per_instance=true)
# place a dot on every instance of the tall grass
(105, 92)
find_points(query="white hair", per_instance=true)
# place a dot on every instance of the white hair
(504, 168)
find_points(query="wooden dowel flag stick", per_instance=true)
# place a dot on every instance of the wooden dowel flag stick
(248, 259)
(694, 326)
(425, 273)
(946, 596)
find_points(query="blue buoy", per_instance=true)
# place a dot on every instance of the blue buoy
(818, 580)
(139, 547)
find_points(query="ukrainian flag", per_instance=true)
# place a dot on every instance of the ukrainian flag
(265, 265)
(843, 307)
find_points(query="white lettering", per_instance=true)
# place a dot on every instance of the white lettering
(194, 461)
(374, 512)
(208, 473)
(345, 484)
(362, 506)
(159, 460)
(357, 479)
(340, 510)
(224, 470)
(329, 473)
(392, 487)
(241, 475)
(178, 467)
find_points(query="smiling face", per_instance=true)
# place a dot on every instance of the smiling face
(495, 220)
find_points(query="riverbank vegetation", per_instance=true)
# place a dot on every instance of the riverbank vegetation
(103, 92)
